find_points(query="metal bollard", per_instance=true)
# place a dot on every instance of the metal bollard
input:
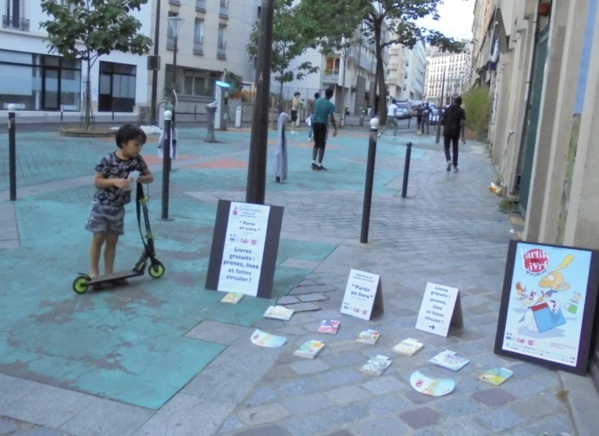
(374, 126)
(406, 171)
(166, 163)
(210, 113)
(12, 152)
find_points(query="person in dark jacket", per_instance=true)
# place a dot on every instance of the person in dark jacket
(453, 120)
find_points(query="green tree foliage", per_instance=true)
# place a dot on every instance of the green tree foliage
(477, 104)
(398, 17)
(291, 38)
(87, 29)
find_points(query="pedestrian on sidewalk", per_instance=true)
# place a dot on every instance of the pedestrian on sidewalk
(453, 121)
(310, 113)
(296, 102)
(419, 123)
(113, 180)
(391, 120)
(323, 110)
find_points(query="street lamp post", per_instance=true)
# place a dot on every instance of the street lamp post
(175, 24)
(153, 110)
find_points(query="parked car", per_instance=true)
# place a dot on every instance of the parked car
(403, 111)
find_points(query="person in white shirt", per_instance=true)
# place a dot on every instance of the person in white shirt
(391, 120)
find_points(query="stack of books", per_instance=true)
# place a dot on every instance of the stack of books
(408, 347)
(310, 349)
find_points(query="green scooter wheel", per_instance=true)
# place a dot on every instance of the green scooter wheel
(156, 270)
(80, 285)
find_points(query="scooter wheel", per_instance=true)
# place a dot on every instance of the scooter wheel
(156, 269)
(80, 285)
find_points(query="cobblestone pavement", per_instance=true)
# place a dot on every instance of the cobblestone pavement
(447, 230)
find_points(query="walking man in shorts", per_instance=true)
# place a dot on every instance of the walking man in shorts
(323, 111)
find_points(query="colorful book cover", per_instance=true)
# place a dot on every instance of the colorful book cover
(232, 297)
(450, 359)
(263, 339)
(435, 387)
(408, 346)
(329, 326)
(496, 376)
(278, 312)
(376, 365)
(310, 349)
(368, 336)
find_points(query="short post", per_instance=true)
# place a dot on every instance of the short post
(61, 111)
(406, 171)
(210, 114)
(195, 112)
(12, 152)
(166, 163)
(374, 126)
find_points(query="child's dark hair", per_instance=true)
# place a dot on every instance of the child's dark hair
(128, 132)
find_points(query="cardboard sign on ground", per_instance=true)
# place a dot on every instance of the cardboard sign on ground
(440, 308)
(363, 295)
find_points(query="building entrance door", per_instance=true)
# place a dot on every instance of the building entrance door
(51, 89)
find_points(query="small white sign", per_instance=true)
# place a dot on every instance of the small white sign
(437, 309)
(360, 294)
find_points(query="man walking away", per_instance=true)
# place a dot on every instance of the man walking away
(391, 120)
(323, 110)
(296, 102)
(419, 125)
(453, 120)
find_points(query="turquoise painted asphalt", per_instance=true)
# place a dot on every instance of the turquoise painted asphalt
(129, 343)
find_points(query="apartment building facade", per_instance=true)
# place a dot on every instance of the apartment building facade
(540, 62)
(406, 72)
(447, 76)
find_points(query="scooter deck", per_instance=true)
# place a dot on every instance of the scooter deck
(114, 276)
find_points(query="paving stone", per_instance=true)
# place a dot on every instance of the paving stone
(501, 420)
(304, 404)
(287, 299)
(261, 395)
(384, 385)
(347, 394)
(312, 297)
(343, 376)
(421, 417)
(307, 425)
(270, 430)
(304, 307)
(347, 414)
(214, 331)
(309, 367)
(300, 387)
(493, 397)
(264, 414)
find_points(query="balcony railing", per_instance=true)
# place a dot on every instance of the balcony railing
(330, 77)
(201, 5)
(221, 50)
(9, 22)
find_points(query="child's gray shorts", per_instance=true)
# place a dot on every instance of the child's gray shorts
(104, 218)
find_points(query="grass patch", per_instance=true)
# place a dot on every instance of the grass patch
(507, 206)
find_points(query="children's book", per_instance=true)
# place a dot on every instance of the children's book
(310, 349)
(263, 339)
(329, 326)
(450, 359)
(408, 346)
(232, 297)
(278, 312)
(368, 337)
(376, 365)
(496, 376)
(435, 387)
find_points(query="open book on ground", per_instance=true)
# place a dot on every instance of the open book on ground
(368, 336)
(278, 312)
(496, 376)
(408, 346)
(376, 365)
(310, 349)
(232, 297)
(329, 326)
(450, 359)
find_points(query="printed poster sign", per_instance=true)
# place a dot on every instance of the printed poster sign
(548, 305)
(437, 309)
(244, 248)
(363, 295)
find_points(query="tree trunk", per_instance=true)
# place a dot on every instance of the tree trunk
(343, 92)
(88, 99)
(380, 72)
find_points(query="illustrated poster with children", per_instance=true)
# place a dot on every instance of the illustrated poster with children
(546, 302)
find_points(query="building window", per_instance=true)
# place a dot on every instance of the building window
(14, 16)
(201, 5)
(221, 48)
(198, 37)
(117, 87)
(332, 66)
(224, 9)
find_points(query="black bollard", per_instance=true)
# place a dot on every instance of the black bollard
(12, 152)
(406, 171)
(374, 124)
(166, 164)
